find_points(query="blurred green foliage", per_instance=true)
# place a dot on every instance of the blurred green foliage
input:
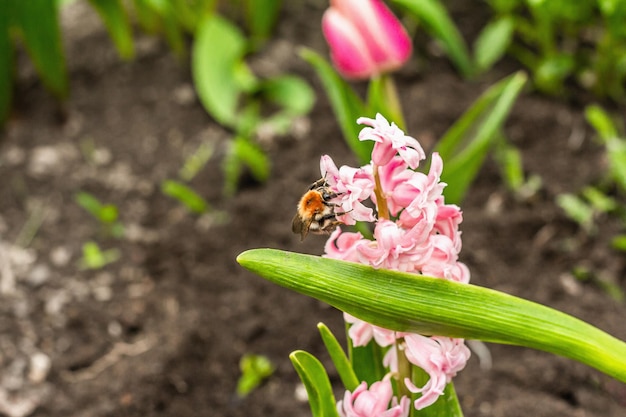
(561, 41)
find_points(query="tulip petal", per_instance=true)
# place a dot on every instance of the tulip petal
(348, 51)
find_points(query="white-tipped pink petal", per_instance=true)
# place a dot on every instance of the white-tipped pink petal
(365, 38)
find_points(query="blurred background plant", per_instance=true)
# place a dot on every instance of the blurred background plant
(605, 199)
(224, 83)
(561, 41)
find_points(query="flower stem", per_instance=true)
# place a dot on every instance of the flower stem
(381, 201)
(404, 371)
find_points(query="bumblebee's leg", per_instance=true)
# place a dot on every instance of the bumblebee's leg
(329, 197)
(317, 184)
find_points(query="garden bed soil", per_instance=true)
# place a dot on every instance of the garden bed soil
(160, 331)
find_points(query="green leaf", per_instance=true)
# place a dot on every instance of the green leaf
(90, 203)
(147, 16)
(185, 195)
(465, 145)
(244, 153)
(619, 243)
(39, 25)
(600, 120)
(615, 145)
(292, 93)
(339, 358)
(316, 382)
(550, 74)
(492, 42)
(196, 161)
(217, 67)
(345, 103)
(173, 31)
(510, 161)
(108, 214)
(412, 303)
(6, 66)
(382, 97)
(254, 369)
(438, 23)
(261, 17)
(253, 157)
(367, 362)
(577, 209)
(600, 201)
(116, 21)
(95, 258)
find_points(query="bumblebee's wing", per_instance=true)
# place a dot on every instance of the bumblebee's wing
(300, 227)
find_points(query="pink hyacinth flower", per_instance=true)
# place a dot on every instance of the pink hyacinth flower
(425, 205)
(390, 140)
(365, 38)
(352, 185)
(377, 401)
(441, 357)
(343, 245)
(443, 261)
(396, 248)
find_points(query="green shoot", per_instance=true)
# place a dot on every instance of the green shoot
(95, 258)
(254, 369)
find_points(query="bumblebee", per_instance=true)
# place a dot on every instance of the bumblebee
(316, 214)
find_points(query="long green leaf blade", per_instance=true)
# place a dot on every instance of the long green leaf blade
(465, 146)
(6, 65)
(412, 303)
(339, 358)
(437, 21)
(316, 382)
(261, 17)
(116, 22)
(39, 24)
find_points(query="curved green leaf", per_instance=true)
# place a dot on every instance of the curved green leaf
(217, 64)
(413, 303)
(493, 42)
(437, 21)
(345, 103)
(339, 358)
(292, 93)
(465, 145)
(116, 21)
(185, 195)
(38, 22)
(316, 382)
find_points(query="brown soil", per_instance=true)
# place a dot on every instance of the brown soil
(160, 332)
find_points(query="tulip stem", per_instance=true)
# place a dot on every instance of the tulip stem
(393, 100)
(383, 98)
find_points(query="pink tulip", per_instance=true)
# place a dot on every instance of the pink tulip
(365, 38)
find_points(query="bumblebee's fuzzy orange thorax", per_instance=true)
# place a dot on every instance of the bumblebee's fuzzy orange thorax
(311, 203)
